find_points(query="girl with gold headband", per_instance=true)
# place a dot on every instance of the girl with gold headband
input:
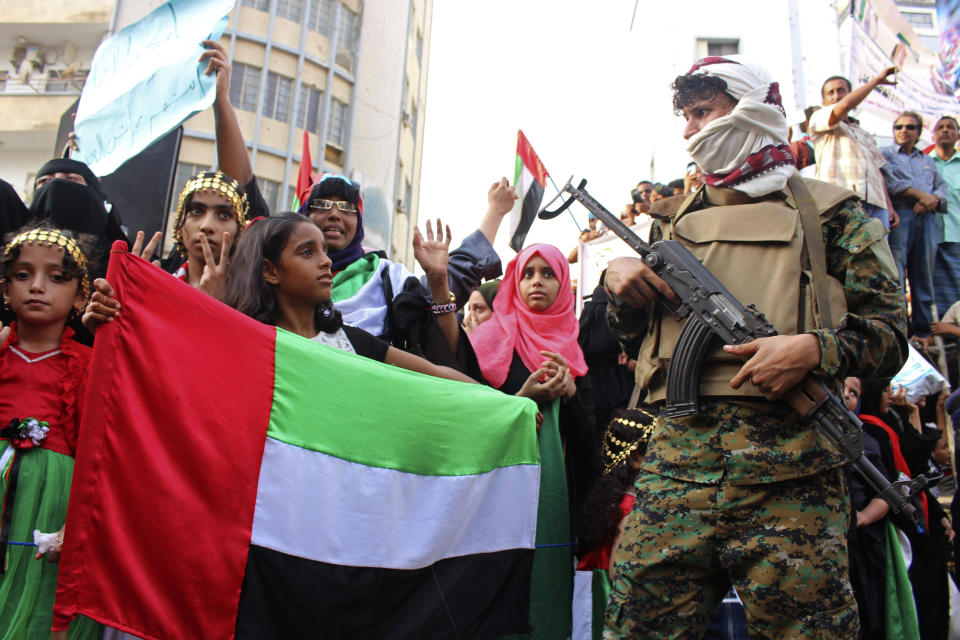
(44, 276)
(211, 213)
(609, 501)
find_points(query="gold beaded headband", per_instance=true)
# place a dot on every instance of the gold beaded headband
(218, 182)
(53, 238)
(625, 449)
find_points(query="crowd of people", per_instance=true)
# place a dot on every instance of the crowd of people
(737, 516)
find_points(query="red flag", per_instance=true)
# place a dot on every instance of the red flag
(303, 177)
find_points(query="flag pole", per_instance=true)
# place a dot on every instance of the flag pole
(579, 228)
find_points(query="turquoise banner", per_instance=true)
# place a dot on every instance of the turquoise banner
(147, 79)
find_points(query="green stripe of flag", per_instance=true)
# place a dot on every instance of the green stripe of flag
(377, 414)
(348, 282)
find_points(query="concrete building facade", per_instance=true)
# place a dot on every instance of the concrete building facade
(352, 74)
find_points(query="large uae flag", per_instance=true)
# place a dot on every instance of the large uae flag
(233, 479)
(530, 178)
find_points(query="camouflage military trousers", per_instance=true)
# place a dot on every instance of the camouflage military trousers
(782, 545)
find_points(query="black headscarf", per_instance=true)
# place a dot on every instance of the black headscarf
(488, 290)
(13, 213)
(79, 208)
(66, 165)
(69, 205)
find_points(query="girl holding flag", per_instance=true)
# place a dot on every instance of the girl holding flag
(42, 378)
(281, 275)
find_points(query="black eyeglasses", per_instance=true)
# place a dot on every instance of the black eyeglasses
(908, 127)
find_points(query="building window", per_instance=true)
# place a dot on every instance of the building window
(259, 5)
(321, 12)
(290, 9)
(276, 99)
(244, 86)
(414, 112)
(337, 122)
(419, 48)
(270, 190)
(717, 47)
(919, 21)
(348, 27)
(59, 82)
(308, 108)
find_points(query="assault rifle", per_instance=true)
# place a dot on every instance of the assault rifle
(712, 312)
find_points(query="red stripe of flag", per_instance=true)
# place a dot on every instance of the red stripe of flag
(530, 159)
(306, 167)
(198, 446)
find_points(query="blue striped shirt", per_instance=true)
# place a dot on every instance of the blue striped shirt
(914, 169)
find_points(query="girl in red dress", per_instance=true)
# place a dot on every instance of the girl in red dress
(42, 374)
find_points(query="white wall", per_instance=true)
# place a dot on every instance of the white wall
(379, 89)
(20, 168)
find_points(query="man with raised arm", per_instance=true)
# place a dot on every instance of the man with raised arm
(846, 154)
(746, 492)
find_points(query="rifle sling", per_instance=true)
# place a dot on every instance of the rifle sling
(813, 247)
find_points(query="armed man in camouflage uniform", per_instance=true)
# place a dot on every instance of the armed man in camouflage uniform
(745, 492)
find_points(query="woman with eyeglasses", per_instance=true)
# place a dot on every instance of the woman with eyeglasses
(383, 297)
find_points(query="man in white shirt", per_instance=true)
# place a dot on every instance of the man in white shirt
(846, 154)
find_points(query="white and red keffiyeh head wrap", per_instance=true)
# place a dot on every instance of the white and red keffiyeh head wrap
(746, 149)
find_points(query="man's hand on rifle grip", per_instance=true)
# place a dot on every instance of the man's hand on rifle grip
(636, 283)
(776, 364)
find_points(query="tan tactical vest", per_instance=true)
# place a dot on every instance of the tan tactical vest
(755, 248)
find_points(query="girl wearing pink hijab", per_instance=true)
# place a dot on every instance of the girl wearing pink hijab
(529, 348)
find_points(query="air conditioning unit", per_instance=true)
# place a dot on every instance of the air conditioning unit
(35, 57)
(69, 53)
(400, 206)
(405, 118)
(16, 57)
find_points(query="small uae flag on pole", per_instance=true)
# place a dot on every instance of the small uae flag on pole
(303, 177)
(530, 178)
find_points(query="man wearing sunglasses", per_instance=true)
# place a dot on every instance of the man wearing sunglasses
(918, 192)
